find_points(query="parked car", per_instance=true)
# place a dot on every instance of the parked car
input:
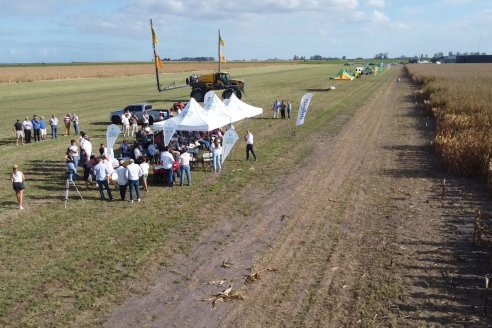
(155, 115)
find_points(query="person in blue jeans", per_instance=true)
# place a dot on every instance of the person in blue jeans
(54, 126)
(101, 172)
(75, 123)
(133, 173)
(184, 166)
(216, 153)
(71, 170)
(36, 128)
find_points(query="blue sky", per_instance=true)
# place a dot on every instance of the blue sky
(109, 30)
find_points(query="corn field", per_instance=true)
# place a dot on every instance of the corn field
(460, 98)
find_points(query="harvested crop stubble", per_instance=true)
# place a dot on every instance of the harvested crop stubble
(16, 74)
(460, 97)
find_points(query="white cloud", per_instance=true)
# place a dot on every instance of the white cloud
(379, 17)
(376, 3)
(410, 10)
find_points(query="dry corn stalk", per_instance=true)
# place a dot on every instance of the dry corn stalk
(216, 282)
(226, 294)
(227, 265)
(254, 276)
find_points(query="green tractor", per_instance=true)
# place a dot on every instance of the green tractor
(200, 85)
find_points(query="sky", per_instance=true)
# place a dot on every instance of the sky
(53, 31)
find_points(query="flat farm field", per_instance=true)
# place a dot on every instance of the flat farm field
(61, 266)
(21, 73)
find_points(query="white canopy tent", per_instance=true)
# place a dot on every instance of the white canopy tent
(216, 108)
(193, 118)
(233, 105)
(217, 114)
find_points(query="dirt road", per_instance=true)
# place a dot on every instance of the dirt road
(359, 237)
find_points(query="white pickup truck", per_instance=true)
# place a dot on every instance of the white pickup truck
(155, 115)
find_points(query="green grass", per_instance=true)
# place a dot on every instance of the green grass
(57, 263)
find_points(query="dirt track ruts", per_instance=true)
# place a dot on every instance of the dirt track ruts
(345, 235)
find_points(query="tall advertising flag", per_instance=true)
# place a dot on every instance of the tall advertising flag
(169, 130)
(154, 37)
(303, 107)
(230, 139)
(111, 136)
(221, 41)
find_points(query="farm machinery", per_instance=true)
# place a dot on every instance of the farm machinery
(200, 85)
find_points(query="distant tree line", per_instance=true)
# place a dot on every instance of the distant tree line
(198, 59)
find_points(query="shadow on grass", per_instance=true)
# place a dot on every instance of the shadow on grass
(101, 123)
(318, 90)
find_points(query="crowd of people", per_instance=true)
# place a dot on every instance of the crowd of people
(284, 107)
(36, 128)
(132, 164)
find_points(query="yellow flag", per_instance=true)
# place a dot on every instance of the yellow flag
(222, 58)
(154, 37)
(221, 42)
(159, 62)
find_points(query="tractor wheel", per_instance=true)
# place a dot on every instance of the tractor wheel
(116, 119)
(227, 94)
(238, 94)
(198, 95)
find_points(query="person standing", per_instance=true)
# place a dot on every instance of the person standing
(289, 109)
(133, 173)
(145, 170)
(75, 123)
(167, 160)
(54, 126)
(18, 183)
(71, 170)
(74, 151)
(125, 121)
(66, 120)
(146, 119)
(42, 127)
(122, 179)
(134, 124)
(86, 146)
(216, 153)
(19, 134)
(102, 176)
(27, 125)
(283, 106)
(36, 128)
(249, 145)
(184, 166)
(276, 105)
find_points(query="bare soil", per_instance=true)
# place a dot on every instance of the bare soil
(362, 236)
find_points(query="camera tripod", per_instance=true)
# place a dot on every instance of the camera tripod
(67, 187)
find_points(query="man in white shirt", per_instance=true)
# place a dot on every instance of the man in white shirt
(102, 174)
(133, 173)
(249, 145)
(167, 160)
(125, 121)
(122, 179)
(27, 125)
(54, 126)
(86, 145)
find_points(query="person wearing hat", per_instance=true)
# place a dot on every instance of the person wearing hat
(27, 125)
(133, 173)
(122, 179)
(18, 184)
